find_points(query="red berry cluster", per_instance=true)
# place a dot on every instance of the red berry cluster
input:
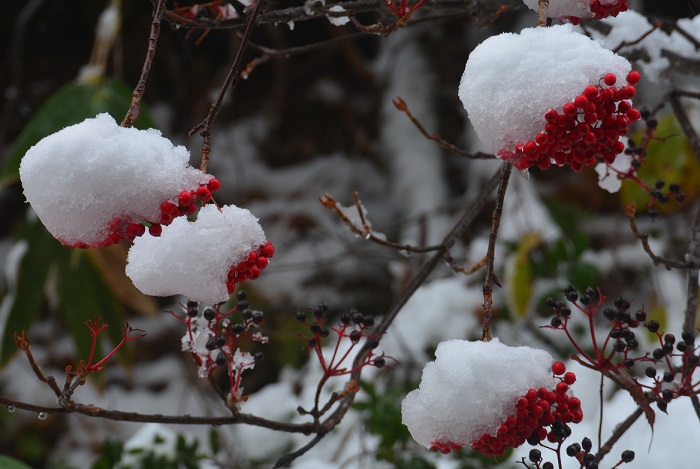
(613, 9)
(585, 131)
(536, 410)
(251, 267)
(124, 229)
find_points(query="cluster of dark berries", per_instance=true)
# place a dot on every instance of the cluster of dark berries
(686, 348)
(353, 326)
(585, 132)
(664, 196)
(251, 267)
(124, 229)
(222, 335)
(541, 414)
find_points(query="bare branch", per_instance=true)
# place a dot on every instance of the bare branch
(490, 278)
(135, 108)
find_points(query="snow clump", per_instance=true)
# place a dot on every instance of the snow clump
(471, 389)
(90, 181)
(195, 259)
(512, 80)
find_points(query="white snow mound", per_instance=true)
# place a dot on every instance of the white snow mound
(81, 177)
(511, 80)
(193, 258)
(471, 388)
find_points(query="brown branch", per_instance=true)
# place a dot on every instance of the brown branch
(135, 108)
(691, 307)
(488, 8)
(420, 277)
(23, 344)
(504, 175)
(639, 39)
(685, 123)
(401, 105)
(542, 12)
(98, 412)
(204, 127)
(620, 430)
(644, 239)
(366, 231)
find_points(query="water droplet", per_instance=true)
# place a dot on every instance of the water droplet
(11, 408)
(42, 415)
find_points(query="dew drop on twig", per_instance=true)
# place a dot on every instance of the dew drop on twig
(42, 415)
(11, 408)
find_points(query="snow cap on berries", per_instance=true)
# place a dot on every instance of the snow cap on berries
(471, 388)
(194, 258)
(83, 177)
(580, 8)
(512, 80)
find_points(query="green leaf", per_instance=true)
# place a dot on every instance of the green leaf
(11, 463)
(582, 275)
(70, 105)
(669, 157)
(25, 298)
(520, 277)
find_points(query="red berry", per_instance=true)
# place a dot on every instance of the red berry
(261, 262)
(569, 377)
(633, 115)
(627, 92)
(570, 109)
(591, 92)
(581, 101)
(168, 208)
(633, 77)
(184, 198)
(267, 249)
(551, 115)
(213, 185)
(191, 208)
(203, 193)
(155, 230)
(558, 368)
(610, 79)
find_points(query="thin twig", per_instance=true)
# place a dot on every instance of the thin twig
(620, 430)
(639, 39)
(204, 127)
(420, 277)
(630, 211)
(685, 123)
(288, 458)
(696, 405)
(401, 105)
(135, 108)
(488, 8)
(23, 344)
(542, 12)
(490, 278)
(365, 231)
(693, 255)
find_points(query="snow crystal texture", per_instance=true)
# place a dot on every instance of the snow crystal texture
(193, 258)
(81, 177)
(471, 388)
(511, 80)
